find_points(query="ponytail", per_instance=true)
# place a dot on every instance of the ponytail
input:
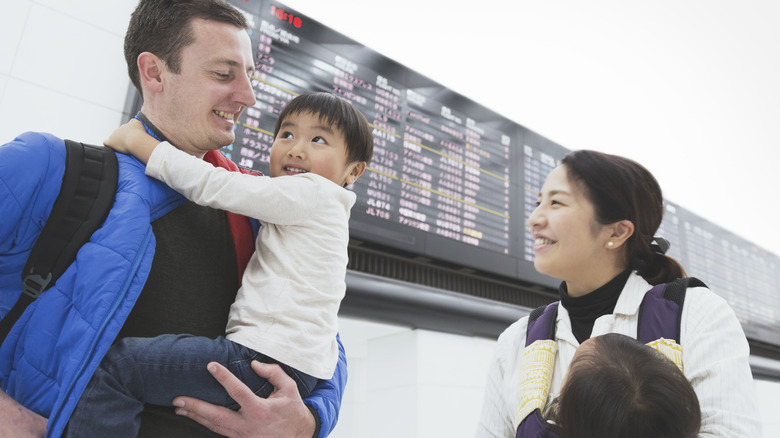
(657, 267)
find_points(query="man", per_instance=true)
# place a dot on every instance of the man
(175, 264)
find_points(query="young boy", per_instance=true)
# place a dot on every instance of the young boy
(618, 387)
(286, 309)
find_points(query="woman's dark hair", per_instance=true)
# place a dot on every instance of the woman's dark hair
(164, 27)
(622, 388)
(335, 111)
(622, 189)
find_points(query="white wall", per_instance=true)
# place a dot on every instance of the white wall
(411, 383)
(61, 67)
(768, 393)
(62, 71)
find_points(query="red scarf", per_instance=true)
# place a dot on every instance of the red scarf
(243, 236)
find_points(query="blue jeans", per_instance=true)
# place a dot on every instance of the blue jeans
(138, 371)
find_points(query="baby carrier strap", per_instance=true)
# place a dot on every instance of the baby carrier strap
(660, 314)
(535, 426)
(541, 327)
(541, 323)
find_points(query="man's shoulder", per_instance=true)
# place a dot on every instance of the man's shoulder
(39, 138)
(29, 145)
(33, 161)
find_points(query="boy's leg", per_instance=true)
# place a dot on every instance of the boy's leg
(155, 370)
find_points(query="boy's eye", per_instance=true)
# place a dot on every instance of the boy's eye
(319, 139)
(286, 134)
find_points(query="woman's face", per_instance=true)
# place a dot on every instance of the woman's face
(568, 242)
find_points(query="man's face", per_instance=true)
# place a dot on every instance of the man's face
(200, 105)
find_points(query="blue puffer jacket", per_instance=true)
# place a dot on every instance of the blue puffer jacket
(52, 351)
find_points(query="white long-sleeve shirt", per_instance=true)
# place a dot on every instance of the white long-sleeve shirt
(715, 358)
(293, 285)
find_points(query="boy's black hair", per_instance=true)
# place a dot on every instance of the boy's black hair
(337, 112)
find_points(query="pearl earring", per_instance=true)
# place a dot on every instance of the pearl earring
(610, 244)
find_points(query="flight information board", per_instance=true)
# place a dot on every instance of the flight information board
(441, 176)
(452, 180)
(742, 273)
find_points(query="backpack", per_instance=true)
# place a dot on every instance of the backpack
(87, 195)
(660, 316)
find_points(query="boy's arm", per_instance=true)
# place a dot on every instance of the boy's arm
(131, 138)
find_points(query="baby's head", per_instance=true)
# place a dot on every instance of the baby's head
(616, 386)
(324, 134)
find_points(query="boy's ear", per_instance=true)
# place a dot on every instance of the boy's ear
(150, 71)
(357, 169)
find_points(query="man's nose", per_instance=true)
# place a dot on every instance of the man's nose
(244, 93)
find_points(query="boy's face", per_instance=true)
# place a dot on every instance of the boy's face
(307, 144)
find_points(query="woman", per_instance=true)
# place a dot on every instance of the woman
(594, 229)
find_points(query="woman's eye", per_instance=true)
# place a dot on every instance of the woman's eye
(222, 76)
(552, 202)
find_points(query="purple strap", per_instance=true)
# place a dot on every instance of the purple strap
(534, 426)
(542, 327)
(658, 317)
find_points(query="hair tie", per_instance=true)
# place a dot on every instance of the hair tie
(660, 245)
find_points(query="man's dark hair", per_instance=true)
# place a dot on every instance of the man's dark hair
(164, 28)
(338, 112)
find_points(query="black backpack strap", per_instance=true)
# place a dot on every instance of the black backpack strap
(86, 197)
(541, 323)
(660, 314)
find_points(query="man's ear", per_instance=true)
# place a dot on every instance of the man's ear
(619, 233)
(358, 168)
(150, 71)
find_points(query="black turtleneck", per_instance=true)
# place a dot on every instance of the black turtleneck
(584, 310)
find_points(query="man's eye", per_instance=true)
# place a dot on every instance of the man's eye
(222, 76)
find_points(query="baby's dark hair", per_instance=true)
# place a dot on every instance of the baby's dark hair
(623, 388)
(338, 112)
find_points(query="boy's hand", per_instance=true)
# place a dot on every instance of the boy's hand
(131, 138)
